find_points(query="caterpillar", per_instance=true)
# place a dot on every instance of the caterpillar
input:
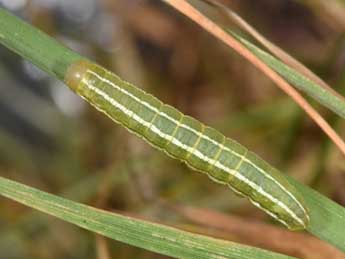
(202, 148)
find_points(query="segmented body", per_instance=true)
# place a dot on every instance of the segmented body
(184, 138)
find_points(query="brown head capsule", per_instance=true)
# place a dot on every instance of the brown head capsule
(75, 73)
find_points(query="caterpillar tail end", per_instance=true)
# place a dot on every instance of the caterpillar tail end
(300, 226)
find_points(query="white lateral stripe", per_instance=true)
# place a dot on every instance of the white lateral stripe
(189, 149)
(154, 109)
(270, 213)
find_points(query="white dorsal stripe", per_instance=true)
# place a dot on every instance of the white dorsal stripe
(154, 109)
(189, 149)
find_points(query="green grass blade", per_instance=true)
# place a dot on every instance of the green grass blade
(154, 237)
(34, 45)
(326, 98)
(327, 217)
(274, 49)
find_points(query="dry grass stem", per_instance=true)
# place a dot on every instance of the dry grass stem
(187, 9)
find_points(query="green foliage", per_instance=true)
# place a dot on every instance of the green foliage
(154, 237)
(327, 217)
(34, 45)
(324, 97)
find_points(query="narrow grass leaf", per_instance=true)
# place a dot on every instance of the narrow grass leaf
(327, 217)
(274, 49)
(150, 236)
(213, 28)
(319, 93)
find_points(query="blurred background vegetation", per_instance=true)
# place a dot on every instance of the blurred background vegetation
(53, 140)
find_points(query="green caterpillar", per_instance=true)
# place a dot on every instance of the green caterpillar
(182, 137)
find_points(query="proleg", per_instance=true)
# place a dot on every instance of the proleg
(201, 147)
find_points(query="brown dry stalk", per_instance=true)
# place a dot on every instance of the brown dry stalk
(102, 247)
(188, 10)
(275, 50)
